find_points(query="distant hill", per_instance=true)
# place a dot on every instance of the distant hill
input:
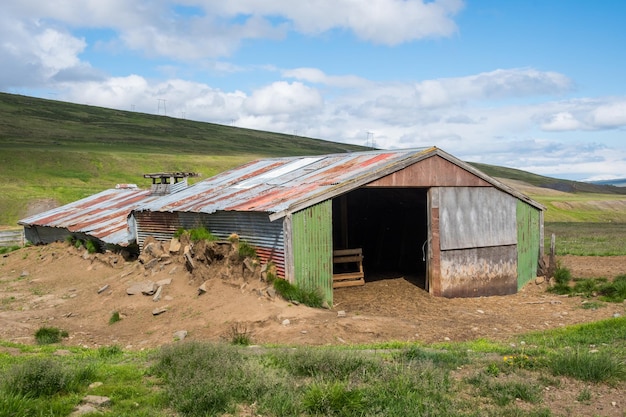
(567, 186)
(617, 183)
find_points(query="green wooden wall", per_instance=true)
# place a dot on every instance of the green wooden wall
(528, 240)
(312, 246)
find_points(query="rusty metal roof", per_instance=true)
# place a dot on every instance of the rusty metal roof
(282, 185)
(103, 215)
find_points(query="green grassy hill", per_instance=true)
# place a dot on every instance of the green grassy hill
(59, 152)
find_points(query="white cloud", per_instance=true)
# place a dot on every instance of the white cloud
(611, 115)
(562, 121)
(284, 98)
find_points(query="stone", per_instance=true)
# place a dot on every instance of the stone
(159, 310)
(202, 288)
(616, 315)
(173, 270)
(157, 294)
(95, 384)
(146, 288)
(341, 313)
(151, 263)
(153, 249)
(174, 245)
(166, 281)
(271, 292)
(480, 311)
(250, 264)
(540, 280)
(24, 274)
(180, 335)
(286, 322)
(189, 260)
(81, 409)
(97, 400)
(103, 289)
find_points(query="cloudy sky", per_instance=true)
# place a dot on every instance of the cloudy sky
(532, 84)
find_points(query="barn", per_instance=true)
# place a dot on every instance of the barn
(338, 220)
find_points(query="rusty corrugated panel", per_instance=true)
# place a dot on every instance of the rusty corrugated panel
(102, 216)
(477, 272)
(161, 226)
(434, 171)
(312, 248)
(275, 185)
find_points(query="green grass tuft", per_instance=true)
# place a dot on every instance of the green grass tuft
(49, 335)
(290, 292)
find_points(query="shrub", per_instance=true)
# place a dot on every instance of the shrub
(45, 377)
(290, 292)
(201, 233)
(91, 246)
(246, 250)
(115, 317)
(562, 275)
(330, 399)
(614, 291)
(49, 335)
(587, 366)
(239, 335)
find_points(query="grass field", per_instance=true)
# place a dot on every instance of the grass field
(477, 378)
(64, 151)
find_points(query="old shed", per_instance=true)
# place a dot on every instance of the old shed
(344, 219)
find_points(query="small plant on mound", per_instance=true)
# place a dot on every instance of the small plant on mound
(614, 291)
(562, 277)
(49, 335)
(290, 292)
(246, 250)
(115, 317)
(239, 335)
(91, 246)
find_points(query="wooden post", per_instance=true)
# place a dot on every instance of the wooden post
(552, 264)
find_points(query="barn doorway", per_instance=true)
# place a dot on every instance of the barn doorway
(390, 225)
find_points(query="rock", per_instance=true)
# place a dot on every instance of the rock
(189, 260)
(286, 322)
(341, 313)
(447, 339)
(159, 310)
(95, 385)
(157, 294)
(166, 281)
(146, 288)
(180, 335)
(24, 274)
(174, 245)
(153, 249)
(81, 409)
(103, 289)
(151, 263)
(616, 315)
(97, 400)
(202, 288)
(540, 280)
(250, 264)
(173, 270)
(480, 311)
(271, 292)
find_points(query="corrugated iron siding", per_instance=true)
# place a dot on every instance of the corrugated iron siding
(528, 242)
(474, 217)
(312, 245)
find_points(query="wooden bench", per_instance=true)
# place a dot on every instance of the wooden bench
(349, 279)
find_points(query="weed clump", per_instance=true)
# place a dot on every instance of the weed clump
(49, 335)
(290, 292)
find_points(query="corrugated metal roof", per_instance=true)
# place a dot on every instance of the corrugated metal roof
(101, 215)
(282, 185)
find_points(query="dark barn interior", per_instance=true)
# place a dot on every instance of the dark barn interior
(391, 227)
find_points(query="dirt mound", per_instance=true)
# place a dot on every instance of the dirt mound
(61, 286)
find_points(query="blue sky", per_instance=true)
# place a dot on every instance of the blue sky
(535, 85)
